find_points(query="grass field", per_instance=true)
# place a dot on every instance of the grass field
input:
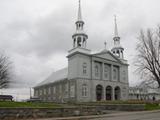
(28, 105)
(5, 104)
(153, 106)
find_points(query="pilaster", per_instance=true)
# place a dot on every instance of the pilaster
(111, 78)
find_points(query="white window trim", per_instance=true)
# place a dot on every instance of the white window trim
(84, 90)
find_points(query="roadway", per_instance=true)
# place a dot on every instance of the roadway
(141, 115)
(131, 116)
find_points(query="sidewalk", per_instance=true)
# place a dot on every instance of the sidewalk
(114, 114)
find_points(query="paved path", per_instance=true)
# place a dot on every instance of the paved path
(143, 115)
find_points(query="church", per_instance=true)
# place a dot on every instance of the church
(89, 77)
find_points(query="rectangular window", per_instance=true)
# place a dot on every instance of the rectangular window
(105, 71)
(124, 75)
(49, 90)
(41, 92)
(84, 68)
(96, 71)
(36, 92)
(66, 90)
(60, 89)
(54, 90)
(115, 73)
(44, 91)
(84, 90)
(72, 91)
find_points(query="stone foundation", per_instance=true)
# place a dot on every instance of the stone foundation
(24, 113)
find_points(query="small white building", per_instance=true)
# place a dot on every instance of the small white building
(144, 92)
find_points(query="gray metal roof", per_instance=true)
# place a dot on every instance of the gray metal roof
(55, 76)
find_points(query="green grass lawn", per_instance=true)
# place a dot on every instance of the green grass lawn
(28, 105)
(5, 104)
(112, 102)
(153, 106)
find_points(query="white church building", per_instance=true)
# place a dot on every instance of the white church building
(88, 77)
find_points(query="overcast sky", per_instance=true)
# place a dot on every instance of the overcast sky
(36, 34)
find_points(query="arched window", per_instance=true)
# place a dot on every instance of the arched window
(74, 43)
(84, 68)
(117, 93)
(79, 41)
(84, 39)
(84, 90)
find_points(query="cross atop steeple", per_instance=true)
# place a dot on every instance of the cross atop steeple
(105, 45)
(79, 12)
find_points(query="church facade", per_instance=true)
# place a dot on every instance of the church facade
(88, 77)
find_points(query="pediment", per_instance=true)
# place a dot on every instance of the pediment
(108, 56)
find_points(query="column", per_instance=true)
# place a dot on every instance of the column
(85, 43)
(76, 44)
(102, 73)
(122, 54)
(82, 44)
(92, 70)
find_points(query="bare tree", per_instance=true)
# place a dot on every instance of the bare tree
(5, 66)
(148, 55)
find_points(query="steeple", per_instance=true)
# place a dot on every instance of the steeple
(79, 12)
(116, 38)
(79, 37)
(116, 29)
(117, 50)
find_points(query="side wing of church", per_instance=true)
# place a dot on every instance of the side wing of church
(88, 77)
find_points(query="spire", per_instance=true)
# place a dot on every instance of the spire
(117, 49)
(79, 12)
(116, 28)
(79, 37)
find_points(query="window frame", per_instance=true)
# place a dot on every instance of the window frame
(84, 68)
(96, 71)
(84, 90)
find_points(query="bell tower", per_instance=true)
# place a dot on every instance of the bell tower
(79, 37)
(117, 50)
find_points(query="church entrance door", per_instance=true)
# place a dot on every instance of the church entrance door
(99, 91)
(117, 93)
(108, 93)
